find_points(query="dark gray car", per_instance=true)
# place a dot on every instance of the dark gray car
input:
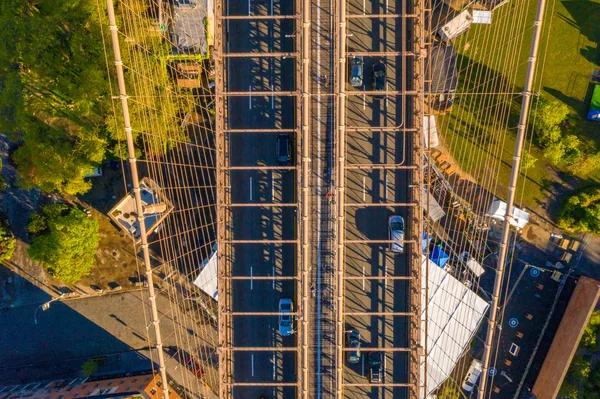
(375, 367)
(356, 71)
(284, 149)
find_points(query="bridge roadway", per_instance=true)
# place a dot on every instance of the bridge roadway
(372, 195)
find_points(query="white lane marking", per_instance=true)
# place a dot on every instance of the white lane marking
(273, 277)
(274, 366)
(384, 362)
(272, 97)
(386, 185)
(364, 99)
(252, 365)
(250, 98)
(363, 278)
(385, 272)
(249, 6)
(386, 96)
(273, 186)
(386, 7)
(362, 374)
(251, 279)
(364, 188)
(364, 6)
(272, 11)
(250, 189)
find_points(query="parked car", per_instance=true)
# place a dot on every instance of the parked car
(396, 230)
(284, 149)
(379, 78)
(356, 71)
(192, 365)
(472, 375)
(285, 317)
(353, 338)
(375, 367)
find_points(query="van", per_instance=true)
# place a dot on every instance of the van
(472, 375)
(457, 26)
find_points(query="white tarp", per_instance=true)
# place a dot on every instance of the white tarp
(430, 130)
(482, 17)
(455, 313)
(475, 267)
(498, 210)
(435, 210)
(207, 279)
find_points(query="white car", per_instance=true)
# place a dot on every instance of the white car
(472, 375)
(396, 229)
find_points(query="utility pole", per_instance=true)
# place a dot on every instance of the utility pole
(514, 177)
(137, 193)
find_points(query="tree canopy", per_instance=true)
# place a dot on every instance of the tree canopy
(53, 90)
(7, 244)
(67, 248)
(581, 212)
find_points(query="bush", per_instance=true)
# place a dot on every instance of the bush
(590, 335)
(7, 244)
(37, 224)
(68, 248)
(90, 367)
(581, 212)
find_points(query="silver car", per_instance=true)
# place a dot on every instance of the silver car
(396, 229)
(356, 71)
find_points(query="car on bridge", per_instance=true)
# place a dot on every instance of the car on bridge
(379, 78)
(285, 317)
(356, 71)
(396, 229)
(375, 367)
(284, 149)
(353, 338)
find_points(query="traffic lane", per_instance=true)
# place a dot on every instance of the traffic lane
(256, 223)
(260, 149)
(257, 112)
(373, 7)
(264, 367)
(258, 295)
(276, 392)
(265, 332)
(393, 69)
(376, 295)
(376, 186)
(267, 260)
(374, 34)
(370, 223)
(365, 111)
(262, 186)
(261, 74)
(259, 7)
(259, 36)
(372, 147)
(374, 260)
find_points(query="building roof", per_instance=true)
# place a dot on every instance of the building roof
(455, 313)
(498, 210)
(207, 279)
(442, 62)
(122, 386)
(565, 342)
(188, 31)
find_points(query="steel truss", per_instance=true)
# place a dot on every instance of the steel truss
(412, 103)
(225, 242)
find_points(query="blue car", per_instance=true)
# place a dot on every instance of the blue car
(286, 325)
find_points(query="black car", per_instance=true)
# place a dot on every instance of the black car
(375, 367)
(284, 149)
(379, 78)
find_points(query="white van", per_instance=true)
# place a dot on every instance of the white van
(456, 26)
(472, 375)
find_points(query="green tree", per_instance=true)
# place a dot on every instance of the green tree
(528, 161)
(580, 213)
(578, 372)
(37, 223)
(68, 248)
(7, 244)
(90, 367)
(548, 114)
(449, 390)
(590, 335)
(591, 389)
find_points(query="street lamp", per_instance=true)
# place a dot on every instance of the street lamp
(45, 306)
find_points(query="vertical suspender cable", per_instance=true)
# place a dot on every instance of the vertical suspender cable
(137, 192)
(514, 177)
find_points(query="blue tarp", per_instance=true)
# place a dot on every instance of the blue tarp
(439, 257)
(426, 241)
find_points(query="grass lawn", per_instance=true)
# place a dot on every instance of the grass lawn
(493, 58)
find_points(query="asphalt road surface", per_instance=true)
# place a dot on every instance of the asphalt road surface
(377, 186)
(271, 186)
